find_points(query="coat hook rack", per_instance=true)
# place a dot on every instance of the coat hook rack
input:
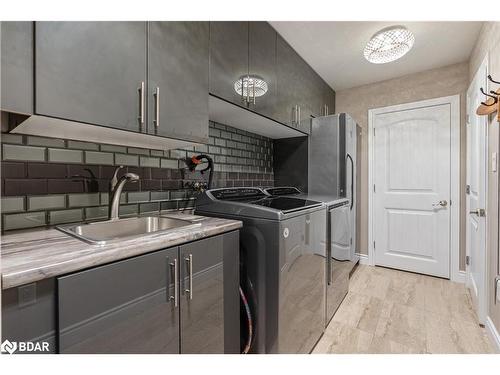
(492, 103)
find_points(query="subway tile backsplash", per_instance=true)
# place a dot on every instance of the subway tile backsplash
(52, 181)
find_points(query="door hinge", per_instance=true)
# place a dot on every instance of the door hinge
(374, 190)
(467, 260)
(373, 245)
(374, 132)
(467, 119)
(467, 189)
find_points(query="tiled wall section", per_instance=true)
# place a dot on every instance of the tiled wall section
(52, 181)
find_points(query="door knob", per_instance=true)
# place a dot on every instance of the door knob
(479, 212)
(442, 203)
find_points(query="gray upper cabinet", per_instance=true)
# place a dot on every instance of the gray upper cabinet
(123, 307)
(178, 80)
(294, 82)
(92, 72)
(228, 58)
(262, 63)
(17, 67)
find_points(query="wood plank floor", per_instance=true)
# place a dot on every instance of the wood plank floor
(390, 311)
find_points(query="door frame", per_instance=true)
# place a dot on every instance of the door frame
(483, 298)
(454, 102)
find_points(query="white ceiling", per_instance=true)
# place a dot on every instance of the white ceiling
(335, 49)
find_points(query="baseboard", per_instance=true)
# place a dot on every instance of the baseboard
(459, 277)
(493, 333)
(363, 259)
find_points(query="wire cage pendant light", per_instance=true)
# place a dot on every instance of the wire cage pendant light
(389, 44)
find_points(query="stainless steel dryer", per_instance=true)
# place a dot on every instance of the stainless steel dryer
(283, 264)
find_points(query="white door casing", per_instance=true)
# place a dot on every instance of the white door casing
(414, 165)
(477, 173)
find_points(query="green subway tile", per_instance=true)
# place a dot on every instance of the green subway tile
(159, 195)
(61, 155)
(12, 204)
(140, 151)
(66, 216)
(149, 207)
(124, 159)
(25, 220)
(129, 210)
(138, 196)
(49, 142)
(149, 162)
(46, 202)
(94, 157)
(114, 148)
(177, 194)
(105, 198)
(96, 212)
(157, 153)
(168, 163)
(178, 154)
(83, 200)
(170, 205)
(82, 145)
(12, 138)
(29, 153)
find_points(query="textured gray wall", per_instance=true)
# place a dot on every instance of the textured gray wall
(449, 80)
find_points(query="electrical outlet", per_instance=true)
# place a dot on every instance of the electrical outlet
(26, 295)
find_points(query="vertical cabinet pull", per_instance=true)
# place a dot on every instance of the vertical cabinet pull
(156, 120)
(173, 266)
(141, 105)
(189, 261)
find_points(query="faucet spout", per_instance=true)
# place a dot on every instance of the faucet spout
(114, 203)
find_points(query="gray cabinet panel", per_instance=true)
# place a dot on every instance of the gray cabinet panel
(202, 307)
(29, 313)
(122, 307)
(262, 62)
(293, 86)
(228, 58)
(178, 66)
(17, 67)
(91, 71)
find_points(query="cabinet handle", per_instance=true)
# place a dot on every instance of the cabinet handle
(327, 111)
(141, 105)
(298, 116)
(294, 121)
(189, 261)
(156, 121)
(176, 283)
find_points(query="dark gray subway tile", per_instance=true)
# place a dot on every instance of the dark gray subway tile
(113, 148)
(100, 158)
(149, 207)
(151, 185)
(46, 170)
(25, 186)
(125, 159)
(82, 145)
(138, 151)
(171, 184)
(83, 200)
(169, 205)
(13, 170)
(65, 216)
(56, 186)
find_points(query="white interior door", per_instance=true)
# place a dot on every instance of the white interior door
(476, 198)
(411, 199)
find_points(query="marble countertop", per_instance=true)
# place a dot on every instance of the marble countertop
(34, 255)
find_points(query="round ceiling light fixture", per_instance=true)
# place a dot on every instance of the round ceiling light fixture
(389, 44)
(250, 85)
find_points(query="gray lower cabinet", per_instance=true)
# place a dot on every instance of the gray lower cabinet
(228, 58)
(29, 314)
(179, 300)
(123, 307)
(17, 67)
(178, 80)
(91, 72)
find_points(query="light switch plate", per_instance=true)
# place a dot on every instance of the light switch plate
(494, 161)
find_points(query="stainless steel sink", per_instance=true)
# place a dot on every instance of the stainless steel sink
(99, 233)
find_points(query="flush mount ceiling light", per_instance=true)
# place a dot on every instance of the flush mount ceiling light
(250, 86)
(389, 44)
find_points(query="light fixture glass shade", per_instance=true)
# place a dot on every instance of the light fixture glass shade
(389, 44)
(253, 83)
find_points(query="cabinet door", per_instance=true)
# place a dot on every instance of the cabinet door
(293, 74)
(17, 67)
(202, 296)
(91, 72)
(123, 307)
(228, 58)
(178, 80)
(262, 62)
